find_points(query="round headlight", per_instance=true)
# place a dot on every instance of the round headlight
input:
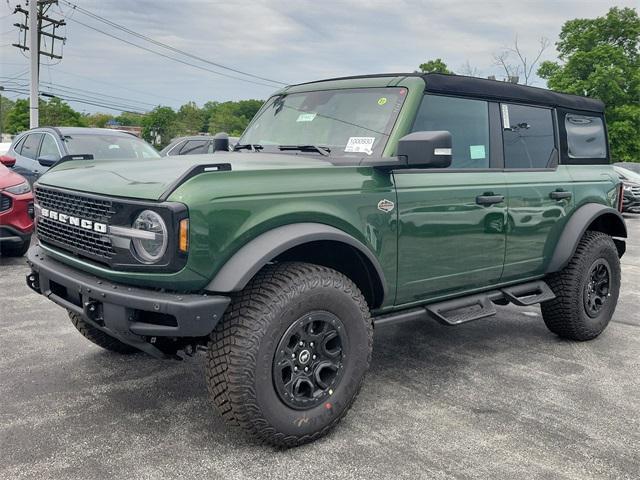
(151, 244)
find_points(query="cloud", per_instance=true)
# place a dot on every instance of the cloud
(288, 41)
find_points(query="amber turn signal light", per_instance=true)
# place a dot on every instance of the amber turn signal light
(183, 243)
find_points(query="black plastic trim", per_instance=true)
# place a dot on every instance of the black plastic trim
(576, 227)
(254, 255)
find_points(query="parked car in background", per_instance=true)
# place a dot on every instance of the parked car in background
(631, 181)
(193, 145)
(36, 150)
(16, 212)
(633, 166)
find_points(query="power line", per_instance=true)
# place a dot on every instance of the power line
(164, 45)
(166, 56)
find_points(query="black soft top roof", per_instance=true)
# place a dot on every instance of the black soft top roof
(460, 85)
(493, 89)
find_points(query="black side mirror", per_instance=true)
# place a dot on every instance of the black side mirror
(48, 160)
(221, 142)
(426, 149)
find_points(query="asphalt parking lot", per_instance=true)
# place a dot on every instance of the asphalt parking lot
(500, 398)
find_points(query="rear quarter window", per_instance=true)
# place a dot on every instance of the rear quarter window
(585, 136)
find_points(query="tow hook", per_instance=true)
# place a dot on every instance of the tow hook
(93, 310)
(33, 282)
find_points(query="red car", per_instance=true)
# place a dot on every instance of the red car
(16, 210)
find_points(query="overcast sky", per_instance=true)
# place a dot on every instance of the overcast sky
(289, 41)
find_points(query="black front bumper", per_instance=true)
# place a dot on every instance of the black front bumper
(133, 315)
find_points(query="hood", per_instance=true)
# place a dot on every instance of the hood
(9, 178)
(149, 178)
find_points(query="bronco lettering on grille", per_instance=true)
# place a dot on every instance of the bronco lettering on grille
(75, 221)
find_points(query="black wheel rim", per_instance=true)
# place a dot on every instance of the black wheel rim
(597, 287)
(309, 361)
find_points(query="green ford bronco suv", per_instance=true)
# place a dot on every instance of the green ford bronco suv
(347, 204)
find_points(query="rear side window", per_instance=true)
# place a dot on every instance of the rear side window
(192, 147)
(49, 148)
(528, 137)
(18, 146)
(30, 145)
(585, 136)
(468, 122)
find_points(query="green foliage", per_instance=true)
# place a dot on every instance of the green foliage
(232, 117)
(5, 107)
(130, 119)
(98, 120)
(159, 126)
(434, 66)
(600, 58)
(55, 112)
(17, 119)
(190, 119)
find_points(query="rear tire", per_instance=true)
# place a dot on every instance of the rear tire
(586, 290)
(292, 317)
(100, 338)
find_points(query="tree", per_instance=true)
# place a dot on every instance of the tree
(130, 119)
(57, 113)
(5, 107)
(98, 120)
(524, 65)
(159, 126)
(231, 117)
(434, 66)
(17, 119)
(190, 118)
(599, 58)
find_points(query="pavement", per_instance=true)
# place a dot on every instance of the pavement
(497, 398)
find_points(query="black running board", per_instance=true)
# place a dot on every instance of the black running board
(473, 307)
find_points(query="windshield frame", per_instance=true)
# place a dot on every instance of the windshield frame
(379, 146)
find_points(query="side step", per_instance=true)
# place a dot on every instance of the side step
(473, 307)
(528, 293)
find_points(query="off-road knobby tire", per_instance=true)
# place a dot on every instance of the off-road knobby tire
(566, 315)
(242, 347)
(15, 250)
(100, 338)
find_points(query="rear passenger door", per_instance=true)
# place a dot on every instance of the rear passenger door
(451, 235)
(540, 192)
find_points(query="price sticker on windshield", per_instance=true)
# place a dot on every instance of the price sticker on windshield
(360, 145)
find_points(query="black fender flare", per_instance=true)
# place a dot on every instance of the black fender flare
(578, 224)
(250, 258)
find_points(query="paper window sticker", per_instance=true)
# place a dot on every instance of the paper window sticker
(360, 145)
(477, 152)
(306, 117)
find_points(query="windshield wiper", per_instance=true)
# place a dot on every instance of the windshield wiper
(308, 148)
(248, 146)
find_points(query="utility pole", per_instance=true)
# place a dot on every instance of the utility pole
(36, 24)
(34, 60)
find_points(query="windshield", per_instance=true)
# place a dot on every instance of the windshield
(104, 147)
(349, 122)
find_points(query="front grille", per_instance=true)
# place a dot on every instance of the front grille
(69, 237)
(635, 191)
(5, 203)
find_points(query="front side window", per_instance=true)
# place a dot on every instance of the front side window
(527, 136)
(349, 122)
(49, 148)
(30, 145)
(104, 147)
(468, 122)
(585, 136)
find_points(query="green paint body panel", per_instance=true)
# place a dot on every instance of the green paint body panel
(436, 243)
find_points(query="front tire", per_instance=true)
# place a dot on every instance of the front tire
(586, 290)
(290, 356)
(16, 250)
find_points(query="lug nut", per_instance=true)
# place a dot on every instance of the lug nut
(293, 355)
(313, 357)
(301, 344)
(311, 344)
(295, 369)
(306, 369)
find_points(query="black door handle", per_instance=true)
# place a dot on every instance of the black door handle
(489, 199)
(560, 195)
